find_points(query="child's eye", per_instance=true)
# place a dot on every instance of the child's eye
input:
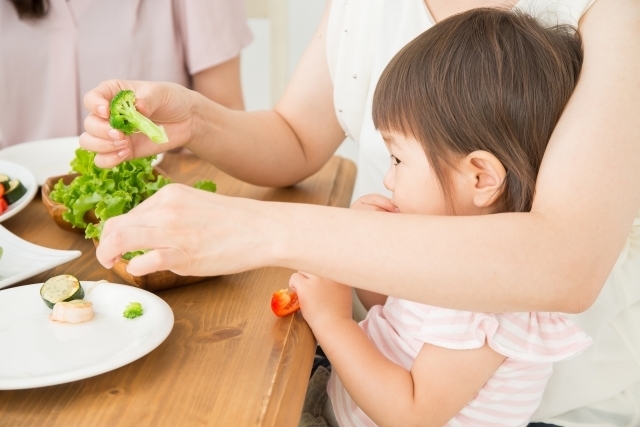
(395, 160)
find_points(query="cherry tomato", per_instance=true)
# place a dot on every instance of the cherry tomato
(284, 302)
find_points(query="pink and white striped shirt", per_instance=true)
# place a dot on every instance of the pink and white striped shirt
(531, 343)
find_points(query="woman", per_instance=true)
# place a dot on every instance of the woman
(581, 253)
(53, 51)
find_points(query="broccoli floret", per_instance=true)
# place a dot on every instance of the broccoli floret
(133, 310)
(126, 118)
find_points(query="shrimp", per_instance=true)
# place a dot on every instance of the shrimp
(75, 311)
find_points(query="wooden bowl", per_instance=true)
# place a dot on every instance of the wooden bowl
(150, 282)
(155, 281)
(56, 209)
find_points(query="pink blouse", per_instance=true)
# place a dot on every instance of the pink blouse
(47, 65)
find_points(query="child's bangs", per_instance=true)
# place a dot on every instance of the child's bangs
(395, 108)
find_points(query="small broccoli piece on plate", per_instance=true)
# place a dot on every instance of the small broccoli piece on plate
(133, 310)
(126, 118)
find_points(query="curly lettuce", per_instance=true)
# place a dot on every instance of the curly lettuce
(109, 192)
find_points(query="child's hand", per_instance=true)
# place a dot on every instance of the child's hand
(375, 202)
(321, 299)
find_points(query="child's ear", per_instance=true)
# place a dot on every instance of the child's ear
(485, 175)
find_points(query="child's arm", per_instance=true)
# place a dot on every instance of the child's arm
(441, 381)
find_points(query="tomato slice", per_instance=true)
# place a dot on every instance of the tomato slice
(284, 302)
(3, 203)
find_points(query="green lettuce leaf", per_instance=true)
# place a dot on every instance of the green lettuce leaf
(109, 192)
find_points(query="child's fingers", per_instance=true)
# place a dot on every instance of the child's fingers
(295, 280)
(375, 202)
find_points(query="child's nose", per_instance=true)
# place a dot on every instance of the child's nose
(389, 179)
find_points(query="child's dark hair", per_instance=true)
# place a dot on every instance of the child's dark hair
(488, 80)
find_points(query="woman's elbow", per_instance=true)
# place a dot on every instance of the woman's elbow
(581, 289)
(577, 302)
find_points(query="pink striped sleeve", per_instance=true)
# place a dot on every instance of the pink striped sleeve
(526, 337)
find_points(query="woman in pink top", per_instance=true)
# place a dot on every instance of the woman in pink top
(53, 51)
(466, 111)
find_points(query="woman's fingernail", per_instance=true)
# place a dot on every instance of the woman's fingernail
(120, 143)
(123, 153)
(102, 111)
(114, 134)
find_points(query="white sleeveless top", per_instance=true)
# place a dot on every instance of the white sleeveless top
(601, 387)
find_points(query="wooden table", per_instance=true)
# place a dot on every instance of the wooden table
(228, 362)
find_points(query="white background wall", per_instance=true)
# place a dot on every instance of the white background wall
(303, 18)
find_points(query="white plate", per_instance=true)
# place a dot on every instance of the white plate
(15, 171)
(47, 157)
(38, 352)
(21, 259)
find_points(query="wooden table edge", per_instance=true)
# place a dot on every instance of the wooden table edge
(285, 405)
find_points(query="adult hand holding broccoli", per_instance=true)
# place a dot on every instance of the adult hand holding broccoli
(127, 119)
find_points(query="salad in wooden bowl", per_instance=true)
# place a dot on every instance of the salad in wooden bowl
(84, 200)
(90, 194)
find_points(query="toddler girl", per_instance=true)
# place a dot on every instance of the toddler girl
(466, 111)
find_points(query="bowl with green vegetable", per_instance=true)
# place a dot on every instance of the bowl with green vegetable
(72, 199)
(83, 201)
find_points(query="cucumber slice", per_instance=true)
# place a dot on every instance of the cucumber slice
(15, 191)
(4, 181)
(61, 288)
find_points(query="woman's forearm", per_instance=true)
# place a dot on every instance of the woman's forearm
(492, 263)
(224, 137)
